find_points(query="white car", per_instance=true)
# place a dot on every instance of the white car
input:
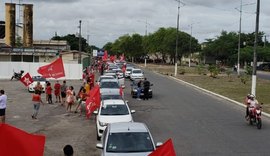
(109, 86)
(136, 74)
(128, 71)
(112, 111)
(127, 138)
(36, 79)
(105, 77)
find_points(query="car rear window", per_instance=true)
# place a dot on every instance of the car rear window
(129, 142)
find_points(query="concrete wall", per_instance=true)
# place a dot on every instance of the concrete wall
(72, 71)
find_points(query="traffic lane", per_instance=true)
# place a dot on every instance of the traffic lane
(198, 123)
(263, 75)
(59, 127)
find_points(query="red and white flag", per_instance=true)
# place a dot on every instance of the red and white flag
(93, 101)
(27, 79)
(16, 142)
(166, 149)
(53, 70)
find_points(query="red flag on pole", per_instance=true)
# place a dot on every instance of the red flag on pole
(92, 102)
(27, 79)
(53, 70)
(16, 142)
(166, 149)
(105, 57)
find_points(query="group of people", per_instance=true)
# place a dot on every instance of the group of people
(63, 94)
(143, 86)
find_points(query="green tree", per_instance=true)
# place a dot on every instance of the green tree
(73, 41)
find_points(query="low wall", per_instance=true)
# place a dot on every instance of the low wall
(72, 71)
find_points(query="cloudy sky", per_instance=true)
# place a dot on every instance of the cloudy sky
(106, 20)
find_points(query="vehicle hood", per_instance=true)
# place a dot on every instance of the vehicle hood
(113, 119)
(129, 154)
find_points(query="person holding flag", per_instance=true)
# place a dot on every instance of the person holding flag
(36, 98)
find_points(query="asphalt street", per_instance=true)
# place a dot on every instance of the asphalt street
(199, 123)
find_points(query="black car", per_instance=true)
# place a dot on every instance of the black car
(134, 90)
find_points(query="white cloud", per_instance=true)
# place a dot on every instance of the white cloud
(106, 20)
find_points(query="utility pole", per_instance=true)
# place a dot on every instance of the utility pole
(176, 47)
(190, 44)
(80, 42)
(239, 40)
(253, 87)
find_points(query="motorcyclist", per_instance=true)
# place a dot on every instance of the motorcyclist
(252, 103)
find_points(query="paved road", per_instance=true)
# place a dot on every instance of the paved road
(198, 123)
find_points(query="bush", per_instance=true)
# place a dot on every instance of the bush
(214, 70)
(244, 78)
(182, 71)
(200, 69)
(248, 70)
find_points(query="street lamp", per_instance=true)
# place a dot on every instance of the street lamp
(253, 86)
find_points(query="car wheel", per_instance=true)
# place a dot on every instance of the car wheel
(98, 137)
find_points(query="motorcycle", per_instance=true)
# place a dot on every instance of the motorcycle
(17, 75)
(255, 114)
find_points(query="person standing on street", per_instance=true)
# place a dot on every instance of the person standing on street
(3, 105)
(36, 98)
(139, 88)
(63, 92)
(57, 90)
(146, 85)
(49, 93)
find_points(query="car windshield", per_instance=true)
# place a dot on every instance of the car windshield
(109, 85)
(38, 78)
(114, 110)
(137, 71)
(129, 142)
(129, 69)
(107, 97)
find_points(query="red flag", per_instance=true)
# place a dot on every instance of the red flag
(105, 57)
(112, 58)
(16, 142)
(27, 79)
(122, 57)
(166, 149)
(92, 102)
(53, 70)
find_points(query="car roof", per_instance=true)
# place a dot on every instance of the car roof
(113, 102)
(136, 69)
(127, 127)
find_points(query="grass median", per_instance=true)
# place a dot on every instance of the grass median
(226, 83)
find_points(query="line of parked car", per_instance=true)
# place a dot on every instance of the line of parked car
(116, 129)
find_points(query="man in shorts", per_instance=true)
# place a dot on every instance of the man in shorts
(3, 105)
(63, 92)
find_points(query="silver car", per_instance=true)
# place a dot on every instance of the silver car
(127, 138)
